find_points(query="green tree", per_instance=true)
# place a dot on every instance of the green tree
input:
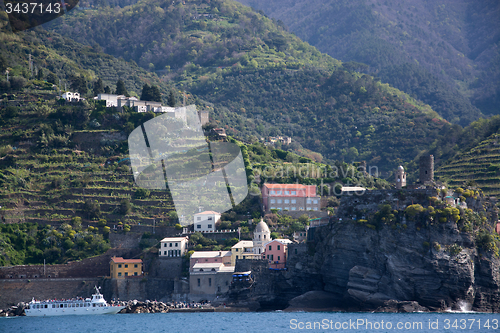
(40, 74)
(171, 99)
(98, 87)
(120, 88)
(79, 84)
(125, 207)
(146, 93)
(52, 78)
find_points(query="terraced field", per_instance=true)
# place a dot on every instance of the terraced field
(479, 165)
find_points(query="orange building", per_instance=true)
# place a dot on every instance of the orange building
(121, 268)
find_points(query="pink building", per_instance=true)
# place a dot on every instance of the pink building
(210, 257)
(291, 197)
(497, 229)
(276, 253)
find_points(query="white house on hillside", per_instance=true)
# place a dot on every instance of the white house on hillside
(205, 221)
(173, 246)
(72, 96)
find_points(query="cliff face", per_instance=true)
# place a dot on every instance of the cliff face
(406, 266)
(364, 268)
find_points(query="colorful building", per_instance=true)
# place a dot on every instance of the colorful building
(276, 252)
(243, 250)
(291, 197)
(122, 268)
(173, 246)
(209, 280)
(210, 257)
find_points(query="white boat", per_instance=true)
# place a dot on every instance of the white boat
(79, 306)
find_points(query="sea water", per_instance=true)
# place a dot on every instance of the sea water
(271, 322)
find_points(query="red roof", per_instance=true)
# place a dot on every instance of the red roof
(120, 260)
(285, 186)
(208, 212)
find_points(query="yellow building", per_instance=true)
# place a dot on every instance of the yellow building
(121, 268)
(243, 250)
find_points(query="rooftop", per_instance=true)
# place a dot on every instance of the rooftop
(209, 254)
(243, 243)
(207, 212)
(120, 260)
(286, 186)
(174, 239)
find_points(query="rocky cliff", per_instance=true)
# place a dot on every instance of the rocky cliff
(411, 265)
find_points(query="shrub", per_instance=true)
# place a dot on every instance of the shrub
(141, 193)
(455, 249)
(125, 207)
(437, 246)
(178, 226)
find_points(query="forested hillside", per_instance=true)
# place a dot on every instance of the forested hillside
(263, 80)
(443, 52)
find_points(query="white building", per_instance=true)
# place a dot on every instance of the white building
(261, 236)
(205, 221)
(72, 96)
(173, 246)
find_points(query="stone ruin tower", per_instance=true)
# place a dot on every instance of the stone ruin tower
(400, 177)
(426, 167)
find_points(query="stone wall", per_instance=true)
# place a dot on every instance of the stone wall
(23, 290)
(89, 267)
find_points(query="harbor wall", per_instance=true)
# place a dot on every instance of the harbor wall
(23, 290)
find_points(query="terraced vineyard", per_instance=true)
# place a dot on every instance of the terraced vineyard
(480, 165)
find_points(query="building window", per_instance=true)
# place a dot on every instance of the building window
(278, 192)
(279, 200)
(198, 218)
(315, 201)
(119, 265)
(164, 244)
(308, 201)
(301, 208)
(209, 226)
(164, 253)
(273, 207)
(287, 192)
(278, 258)
(272, 192)
(287, 201)
(294, 208)
(198, 282)
(210, 218)
(294, 201)
(170, 244)
(126, 265)
(295, 251)
(209, 282)
(287, 208)
(198, 226)
(270, 247)
(135, 265)
(273, 201)
(236, 257)
(176, 244)
(279, 248)
(315, 208)
(294, 192)
(119, 273)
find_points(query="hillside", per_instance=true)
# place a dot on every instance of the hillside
(478, 161)
(263, 80)
(442, 52)
(58, 171)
